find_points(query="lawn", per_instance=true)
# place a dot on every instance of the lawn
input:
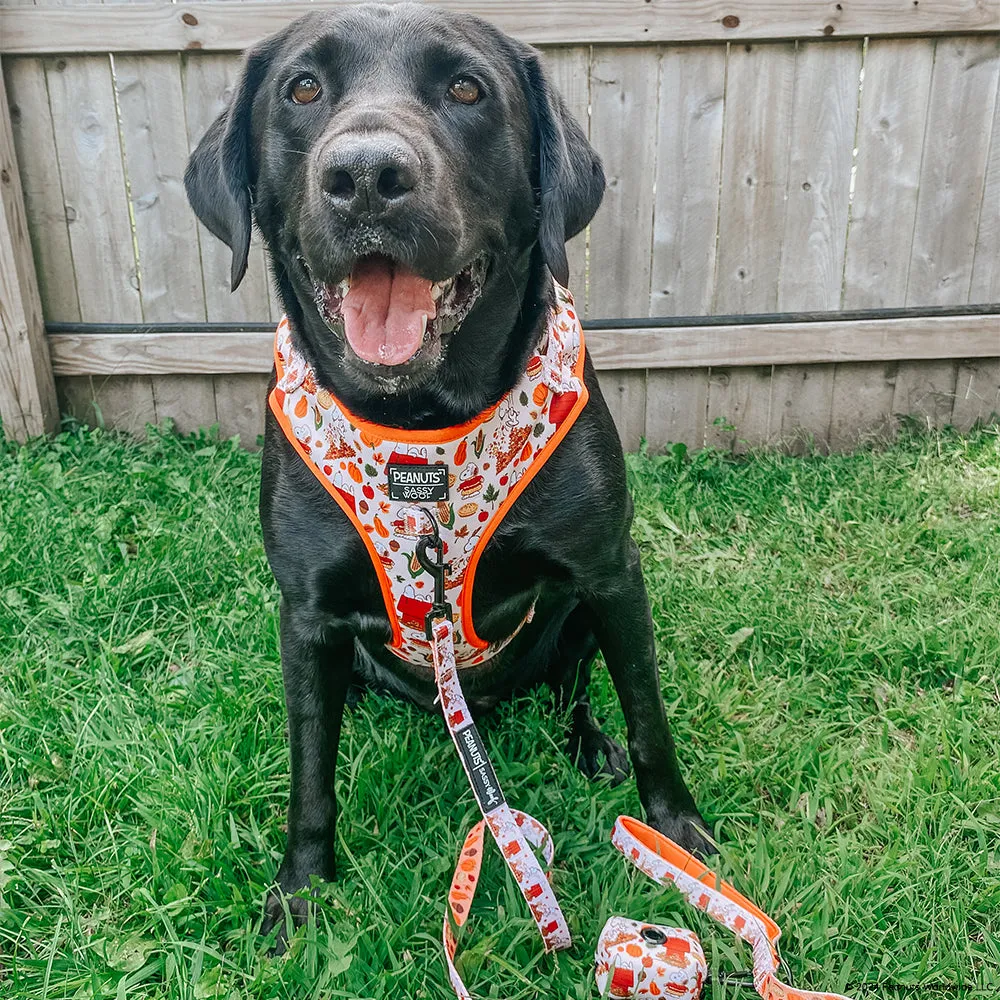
(829, 643)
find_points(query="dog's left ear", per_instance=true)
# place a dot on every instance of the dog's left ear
(221, 171)
(570, 177)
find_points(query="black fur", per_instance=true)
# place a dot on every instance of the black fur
(510, 178)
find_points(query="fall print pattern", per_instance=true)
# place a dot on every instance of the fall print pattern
(633, 962)
(489, 459)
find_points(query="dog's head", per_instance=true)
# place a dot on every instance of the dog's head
(401, 162)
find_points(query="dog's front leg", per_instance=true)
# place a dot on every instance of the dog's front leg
(624, 630)
(316, 664)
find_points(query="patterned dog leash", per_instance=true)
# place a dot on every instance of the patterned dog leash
(512, 830)
(633, 959)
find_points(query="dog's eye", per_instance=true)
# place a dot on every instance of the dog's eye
(464, 89)
(305, 90)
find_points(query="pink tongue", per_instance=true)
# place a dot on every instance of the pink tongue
(384, 310)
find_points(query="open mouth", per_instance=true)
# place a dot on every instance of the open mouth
(388, 313)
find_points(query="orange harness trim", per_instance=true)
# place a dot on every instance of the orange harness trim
(490, 459)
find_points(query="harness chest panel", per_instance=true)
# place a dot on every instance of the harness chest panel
(468, 476)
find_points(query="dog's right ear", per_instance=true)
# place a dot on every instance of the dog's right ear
(221, 172)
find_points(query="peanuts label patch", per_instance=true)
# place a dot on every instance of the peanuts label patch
(417, 483)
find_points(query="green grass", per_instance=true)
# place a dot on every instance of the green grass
(829, 640)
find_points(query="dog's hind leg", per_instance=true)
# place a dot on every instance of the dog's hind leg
(593, 752)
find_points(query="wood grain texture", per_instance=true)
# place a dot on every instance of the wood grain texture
(977, 393)
(15, 394)
(158, 27)
(985, 285)
(891, 123)
(623, 127)
(739, 408)
(34, 142)
(952, 171)
(625, 394)
(27, 392)
(824, 116)
(949, 199)
(569, 71)
(170, 286)
(862, 404)
(186, 400)
(925, 392)
(88, 145)
(122, 402)
(757, 132)
(890, 138)
(150, 98)
(241, 400)
(676, 404)
(685, 220)
(93, 183)
(759, 91)
(923, 338)
(686, 209)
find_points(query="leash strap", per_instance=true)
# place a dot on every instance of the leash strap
(512, 830)
(668, 863)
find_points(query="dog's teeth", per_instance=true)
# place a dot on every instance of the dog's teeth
(437, 290)
(343, 287)
(423, 324)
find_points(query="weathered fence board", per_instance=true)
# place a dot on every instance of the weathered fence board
(759, 91)
(824, 115)
(148, 27)
(890, 132)
(986, 263)
(27, 391)
(953, 170)
(977, 392)
(685, 216)
(623, 122)
(691, 347)
(34, 141)
(171, 288)
(94, 191)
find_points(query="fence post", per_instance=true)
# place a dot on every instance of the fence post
(27, 389)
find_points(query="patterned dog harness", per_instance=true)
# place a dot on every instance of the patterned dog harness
(469, 475)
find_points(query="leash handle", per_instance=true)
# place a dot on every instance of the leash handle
(512, 830)
(669, 864)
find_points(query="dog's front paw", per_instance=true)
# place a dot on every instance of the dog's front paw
(288, 893)
(687, 829)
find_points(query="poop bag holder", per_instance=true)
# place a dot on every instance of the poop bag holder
(635, 959)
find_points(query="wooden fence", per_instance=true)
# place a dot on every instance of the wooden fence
(763, 159)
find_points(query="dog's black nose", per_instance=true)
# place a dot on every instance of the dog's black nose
(369, 173)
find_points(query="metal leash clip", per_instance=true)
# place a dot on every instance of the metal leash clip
(430, 539)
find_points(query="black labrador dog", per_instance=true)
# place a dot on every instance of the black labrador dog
(406, 138)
